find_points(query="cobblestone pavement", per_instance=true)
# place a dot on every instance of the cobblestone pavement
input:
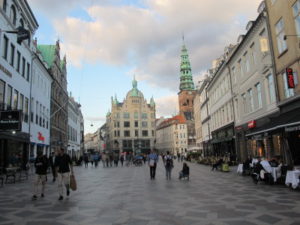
(116, 196)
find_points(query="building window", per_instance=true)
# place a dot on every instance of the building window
(18, 61)
(4, 6)
(26, 110)
(126, 115)
(144, 116)
(144, 124)
(126, 124)
(21, 22)
(12, 54)
(126, 133)
(271, 88)
(2, 94)
(28, 71)
(259, 98)
(244, 103)
(145, 133)
(136, 115)
(5, 47)
(153, 134)
(136, 133)
(136, 123)
(288, 92)
(251, 102)
(16, 98)
(296, 11)
(13, 16)
(9, 97)
(281, 43)
(23, 66)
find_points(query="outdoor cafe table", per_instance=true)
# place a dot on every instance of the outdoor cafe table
(292, 177)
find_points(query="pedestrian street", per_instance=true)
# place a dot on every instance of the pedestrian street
(126, 195)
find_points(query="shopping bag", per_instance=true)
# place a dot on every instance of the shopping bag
(73, 184)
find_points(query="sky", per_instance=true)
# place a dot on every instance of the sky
(108, 42)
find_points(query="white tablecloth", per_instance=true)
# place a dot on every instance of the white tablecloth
(240, 168)
(276, 173)
(292, 177)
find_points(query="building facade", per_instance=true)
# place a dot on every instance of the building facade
(59, 95)
(186, 96)
(15, 80)
(40, 107)
(74, 128)
(172, 136)
(252, 76)
(284, 24)
(131, 124)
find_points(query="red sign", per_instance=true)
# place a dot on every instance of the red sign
(252, 124)
(290, 78)
(41, 137)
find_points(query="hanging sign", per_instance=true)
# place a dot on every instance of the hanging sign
(290, 78)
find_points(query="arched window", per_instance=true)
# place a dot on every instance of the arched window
(13, 16)
(21, 22)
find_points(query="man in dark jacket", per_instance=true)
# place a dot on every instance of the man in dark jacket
(41, 166)
(63, 165)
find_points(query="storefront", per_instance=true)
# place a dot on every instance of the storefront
(223, 142)
(14, 149)
(276, 136)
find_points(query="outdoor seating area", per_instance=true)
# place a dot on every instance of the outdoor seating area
(10, 175)
(270, 172)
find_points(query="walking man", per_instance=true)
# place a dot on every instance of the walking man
(41, 166)
(152, 161)
(168, 165)
(63, 165)
(52, 161)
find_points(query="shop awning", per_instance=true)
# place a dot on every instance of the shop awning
(285, 120)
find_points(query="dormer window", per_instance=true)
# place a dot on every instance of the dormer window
(13, 16)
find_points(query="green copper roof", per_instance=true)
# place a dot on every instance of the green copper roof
(186, 77)
(134, 92)
(48, 53)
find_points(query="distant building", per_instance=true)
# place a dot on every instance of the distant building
(172, 136)
(74, 128)
(131, 124)
(59, 95)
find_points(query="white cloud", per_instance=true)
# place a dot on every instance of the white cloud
(149, 38)
(167, 106)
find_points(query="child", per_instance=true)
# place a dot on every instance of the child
(185, 172)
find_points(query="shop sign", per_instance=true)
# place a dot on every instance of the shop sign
(291, 129)
(290, 78)
(41, 137)
(10, 120)
(252, 124)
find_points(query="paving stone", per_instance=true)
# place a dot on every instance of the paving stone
(268, 219)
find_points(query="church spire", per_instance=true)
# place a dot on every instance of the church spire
(186, 77)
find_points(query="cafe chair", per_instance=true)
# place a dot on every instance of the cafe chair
(10, 175)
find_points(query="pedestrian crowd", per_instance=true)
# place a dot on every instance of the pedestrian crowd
(61, 166)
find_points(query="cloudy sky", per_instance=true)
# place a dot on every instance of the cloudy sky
(107, 42)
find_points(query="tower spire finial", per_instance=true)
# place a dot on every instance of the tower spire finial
(183, 37)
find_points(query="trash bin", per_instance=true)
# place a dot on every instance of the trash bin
(225, 167)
